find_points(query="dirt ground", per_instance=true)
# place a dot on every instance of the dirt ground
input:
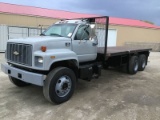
(114, 96)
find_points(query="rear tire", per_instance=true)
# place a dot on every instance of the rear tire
(142, 62)
(18, 82)
(59, 85)
(133, 65)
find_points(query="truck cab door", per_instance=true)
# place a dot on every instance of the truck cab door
(84, 45)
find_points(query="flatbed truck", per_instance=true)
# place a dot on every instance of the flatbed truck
(65, 52)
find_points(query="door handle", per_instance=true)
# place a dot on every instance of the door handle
(67, 44)
(94, 44)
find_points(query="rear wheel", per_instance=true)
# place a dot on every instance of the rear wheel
(142, 62)
(59, 85)
(133, 65)
(18, 82)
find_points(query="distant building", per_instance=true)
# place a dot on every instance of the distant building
(22, 21)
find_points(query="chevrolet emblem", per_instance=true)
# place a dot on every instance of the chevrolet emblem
(16, 53)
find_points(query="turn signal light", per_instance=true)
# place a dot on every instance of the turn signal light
(43, 48)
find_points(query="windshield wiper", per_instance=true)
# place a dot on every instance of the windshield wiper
(56, 34)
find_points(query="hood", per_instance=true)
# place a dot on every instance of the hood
(37, 39)
(50, 41)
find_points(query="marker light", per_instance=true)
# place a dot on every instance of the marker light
(43, 48)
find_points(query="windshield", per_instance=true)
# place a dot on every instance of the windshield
(60, 30)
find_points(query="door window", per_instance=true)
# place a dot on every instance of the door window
(83, 33)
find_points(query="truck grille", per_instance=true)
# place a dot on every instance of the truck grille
(19, 53)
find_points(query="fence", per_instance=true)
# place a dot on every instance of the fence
(154, 46)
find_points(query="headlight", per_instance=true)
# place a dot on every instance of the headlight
(40, 60)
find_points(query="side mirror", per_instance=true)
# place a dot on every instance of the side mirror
(95, 43)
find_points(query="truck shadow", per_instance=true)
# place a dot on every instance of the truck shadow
(109, 76)
(33, 95)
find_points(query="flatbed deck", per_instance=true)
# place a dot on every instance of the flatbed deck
(121, 50)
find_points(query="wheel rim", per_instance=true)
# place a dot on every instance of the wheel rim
(144, 63)
(136, 65)
(63, 86)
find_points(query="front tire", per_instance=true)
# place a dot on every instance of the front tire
(18, 82)
(59, 85)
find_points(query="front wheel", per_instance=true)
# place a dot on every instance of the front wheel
(59, 85)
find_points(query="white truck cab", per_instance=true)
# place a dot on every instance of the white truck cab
(83, 40)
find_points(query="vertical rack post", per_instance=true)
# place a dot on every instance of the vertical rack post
(106, 37)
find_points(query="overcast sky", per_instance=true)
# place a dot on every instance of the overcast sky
(148, 10)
